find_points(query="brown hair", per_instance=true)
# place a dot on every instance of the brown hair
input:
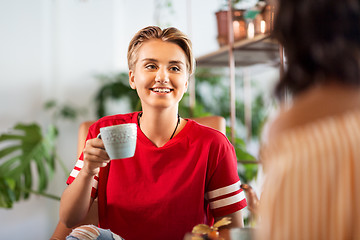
(171, 34)
(321, 41)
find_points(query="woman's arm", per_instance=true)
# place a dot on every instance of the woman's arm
(61, 231)
(76, 199)
(236, 222)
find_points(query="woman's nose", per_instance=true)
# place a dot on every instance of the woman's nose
(162, 76)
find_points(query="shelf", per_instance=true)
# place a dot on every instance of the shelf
(258, 50)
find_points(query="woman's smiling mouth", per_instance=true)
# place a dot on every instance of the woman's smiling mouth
(161, 90)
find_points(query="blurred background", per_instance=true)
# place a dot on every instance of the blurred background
(57, 58)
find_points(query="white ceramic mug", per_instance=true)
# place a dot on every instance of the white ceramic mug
(119, 140)
(242, 233)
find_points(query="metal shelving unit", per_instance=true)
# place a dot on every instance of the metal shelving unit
(247, 52)
(257, 50)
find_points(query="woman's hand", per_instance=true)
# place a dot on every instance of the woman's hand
(95, 156)
(76, 199)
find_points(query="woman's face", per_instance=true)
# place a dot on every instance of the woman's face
(160, 76)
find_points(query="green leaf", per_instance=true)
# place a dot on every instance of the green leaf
(8, 150)
(251, 14)
(43, 178)
(7, 137)
(247, 172)
(7, 196)
(17, 188)
(32, 148)
(68, 112)
(50, 104)
(28, 181)
(7, 166)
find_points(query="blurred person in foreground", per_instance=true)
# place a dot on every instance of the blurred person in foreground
(312, 156)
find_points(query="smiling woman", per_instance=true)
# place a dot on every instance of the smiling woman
(160, 76)
(167, 35)
(182, 173)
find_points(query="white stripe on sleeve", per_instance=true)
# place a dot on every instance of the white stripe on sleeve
(74, 173)
(224, 190)
(79, 163)
(227, 201)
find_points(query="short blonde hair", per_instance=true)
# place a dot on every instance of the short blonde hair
(171, 34)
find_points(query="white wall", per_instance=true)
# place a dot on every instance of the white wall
(51, 49)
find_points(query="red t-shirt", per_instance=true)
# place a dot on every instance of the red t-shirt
(162, 193)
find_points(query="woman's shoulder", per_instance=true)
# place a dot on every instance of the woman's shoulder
(313, 106)
(207, 133)
(115, 119)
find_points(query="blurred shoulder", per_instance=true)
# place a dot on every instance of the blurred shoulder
(313, 105)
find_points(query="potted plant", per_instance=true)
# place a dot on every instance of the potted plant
(114, 87)
(243, 12)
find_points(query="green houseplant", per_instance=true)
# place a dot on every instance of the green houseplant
(28, 158)
(27, 146)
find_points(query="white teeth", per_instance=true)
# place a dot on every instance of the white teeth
(161, 90)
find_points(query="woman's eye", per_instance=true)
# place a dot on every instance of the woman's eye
(175, 69)
(150, 66)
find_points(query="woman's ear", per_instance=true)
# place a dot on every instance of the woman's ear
(187, 84)
(132, 79)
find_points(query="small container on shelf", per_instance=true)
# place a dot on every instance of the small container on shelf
(239, 26)
(246, 23)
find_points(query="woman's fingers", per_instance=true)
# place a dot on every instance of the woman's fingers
(95, 156)
(95, 148)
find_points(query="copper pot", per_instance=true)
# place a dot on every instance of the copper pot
(239, 26)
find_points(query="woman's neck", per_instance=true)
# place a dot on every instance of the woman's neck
(159, 126)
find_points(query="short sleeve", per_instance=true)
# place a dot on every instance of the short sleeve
(80, 163)
(223, 192)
